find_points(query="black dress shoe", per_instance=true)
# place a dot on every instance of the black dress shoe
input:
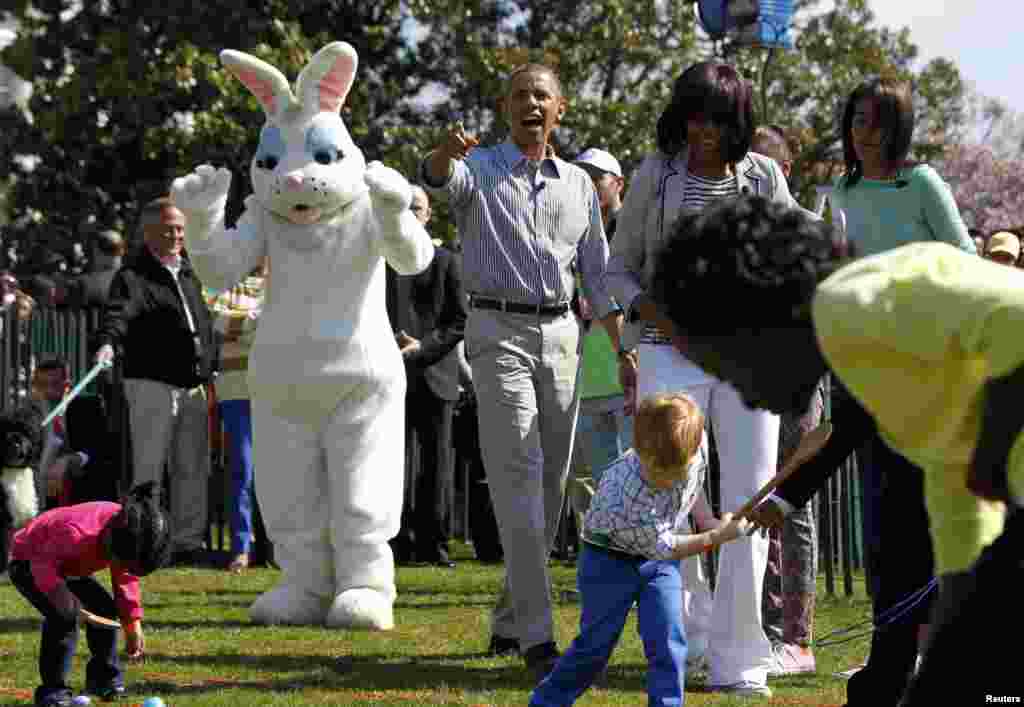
(540, 659)
(502, 646)
(193, 557)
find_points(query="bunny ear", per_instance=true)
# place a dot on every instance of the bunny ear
(325, 81)
(269, 85)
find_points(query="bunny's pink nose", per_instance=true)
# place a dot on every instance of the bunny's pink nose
(293, 182)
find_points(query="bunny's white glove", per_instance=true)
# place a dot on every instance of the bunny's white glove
(202, 196)
(389, 190)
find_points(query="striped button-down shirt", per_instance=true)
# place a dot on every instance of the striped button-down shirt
(527, 228)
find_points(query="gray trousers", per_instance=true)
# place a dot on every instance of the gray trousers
(171, 426)
(524, 372)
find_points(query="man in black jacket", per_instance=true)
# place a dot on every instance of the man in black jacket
(428, 315)
(158, 325)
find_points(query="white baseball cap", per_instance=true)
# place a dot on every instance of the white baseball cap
(599, 159)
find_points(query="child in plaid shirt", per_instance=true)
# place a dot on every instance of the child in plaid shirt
(634, 535)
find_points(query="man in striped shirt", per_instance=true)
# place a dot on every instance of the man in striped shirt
(529, 222)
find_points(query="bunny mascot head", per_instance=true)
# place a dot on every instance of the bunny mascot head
(325, 377)
(306, 166)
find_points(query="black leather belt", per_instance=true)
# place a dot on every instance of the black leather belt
(503, 305)
(618, 554)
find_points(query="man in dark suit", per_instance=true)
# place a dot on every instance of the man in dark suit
(428, 315)
(91, 289)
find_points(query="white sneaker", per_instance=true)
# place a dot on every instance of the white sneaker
(744, 688)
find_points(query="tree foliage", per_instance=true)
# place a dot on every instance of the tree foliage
(128, 95)
(988, 190)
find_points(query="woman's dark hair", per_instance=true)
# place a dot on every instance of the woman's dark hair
(744, 262)
(895, 103)
(718, 91)
(141, 534)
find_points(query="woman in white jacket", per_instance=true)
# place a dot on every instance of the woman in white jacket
(703, 155)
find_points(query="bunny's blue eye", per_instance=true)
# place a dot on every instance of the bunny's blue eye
(327, 156)
(324, 141)
(271, 147)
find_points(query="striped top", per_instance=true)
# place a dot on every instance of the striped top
(698, 193)
(526, 227)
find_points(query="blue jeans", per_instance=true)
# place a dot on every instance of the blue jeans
(60, 634)
(609, 583)
(236, 416)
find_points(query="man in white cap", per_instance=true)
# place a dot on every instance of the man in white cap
(603, 429)
(606, 173)
(1003, 247)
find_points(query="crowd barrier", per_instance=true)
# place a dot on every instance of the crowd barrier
(67, 333)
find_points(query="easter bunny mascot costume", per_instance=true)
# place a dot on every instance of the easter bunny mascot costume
(325, 375)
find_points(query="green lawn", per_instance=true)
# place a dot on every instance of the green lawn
(203, 650)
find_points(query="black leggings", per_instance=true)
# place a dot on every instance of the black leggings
(899, 552)
(60, 635)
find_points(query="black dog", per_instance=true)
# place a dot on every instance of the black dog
(21, 435)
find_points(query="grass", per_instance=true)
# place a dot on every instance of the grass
(202, 649)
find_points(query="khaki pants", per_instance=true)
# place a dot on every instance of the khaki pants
(524, 372)
(170, 426)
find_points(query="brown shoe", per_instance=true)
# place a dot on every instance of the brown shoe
(239, 563)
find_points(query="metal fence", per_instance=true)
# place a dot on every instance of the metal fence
(67, 333)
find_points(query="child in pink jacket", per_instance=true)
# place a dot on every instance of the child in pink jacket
(53, 559)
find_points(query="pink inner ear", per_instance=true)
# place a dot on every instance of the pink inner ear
(260, 88)
(334, 86)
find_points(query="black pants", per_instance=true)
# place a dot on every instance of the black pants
(429, 476)
(60, 635)
(483, 526)
(972, 652)
(899, 554)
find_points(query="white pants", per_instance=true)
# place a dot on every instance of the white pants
(727, 628)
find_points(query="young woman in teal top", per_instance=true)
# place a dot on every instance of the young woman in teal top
(882, 202)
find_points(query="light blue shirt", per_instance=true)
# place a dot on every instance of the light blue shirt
(526, 227)
(630, 515)
(917, 206)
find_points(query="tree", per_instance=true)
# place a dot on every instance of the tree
(995, 125)
(127, 96)
(988, 190)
